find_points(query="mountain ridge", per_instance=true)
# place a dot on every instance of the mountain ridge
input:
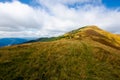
(91, 32)
(96, 34)
(87, 53)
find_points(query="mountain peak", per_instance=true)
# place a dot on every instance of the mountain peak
(90, 33)
(94, 33)
(91, 26)
(83, 29)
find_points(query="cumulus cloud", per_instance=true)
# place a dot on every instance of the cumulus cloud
(55, 17)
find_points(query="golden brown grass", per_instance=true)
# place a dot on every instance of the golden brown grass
(58, 60)
(88, 53)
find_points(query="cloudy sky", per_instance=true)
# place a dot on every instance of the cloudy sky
(41, 18)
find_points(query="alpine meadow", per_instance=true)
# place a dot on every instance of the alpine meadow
(59, 39)
(87, 53)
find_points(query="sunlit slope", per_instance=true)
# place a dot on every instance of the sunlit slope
(88, 53)
(96, 34)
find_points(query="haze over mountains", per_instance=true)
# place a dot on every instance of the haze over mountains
(87, 53)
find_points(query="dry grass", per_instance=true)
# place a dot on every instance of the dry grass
(88, 53)
(58, 60)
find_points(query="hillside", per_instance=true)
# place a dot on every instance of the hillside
(95, 34)
(87, 53)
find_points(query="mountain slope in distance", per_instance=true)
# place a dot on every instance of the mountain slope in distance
(11, 41)
(76, 55)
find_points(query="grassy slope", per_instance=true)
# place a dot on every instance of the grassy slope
(95, 34)
(58, 60)
(66, 59)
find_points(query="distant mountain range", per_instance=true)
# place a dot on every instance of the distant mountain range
(87, 53)
(12, 41)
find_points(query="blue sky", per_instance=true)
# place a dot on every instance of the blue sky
(111, 3)
(107, 3)
(41, 18)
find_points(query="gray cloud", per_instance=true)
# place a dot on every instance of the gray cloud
(54, 17)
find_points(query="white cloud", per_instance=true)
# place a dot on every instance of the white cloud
(55, 17)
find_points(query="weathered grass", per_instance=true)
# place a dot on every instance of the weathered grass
(58, 60)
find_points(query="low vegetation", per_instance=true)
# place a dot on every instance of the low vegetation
(62, 59)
